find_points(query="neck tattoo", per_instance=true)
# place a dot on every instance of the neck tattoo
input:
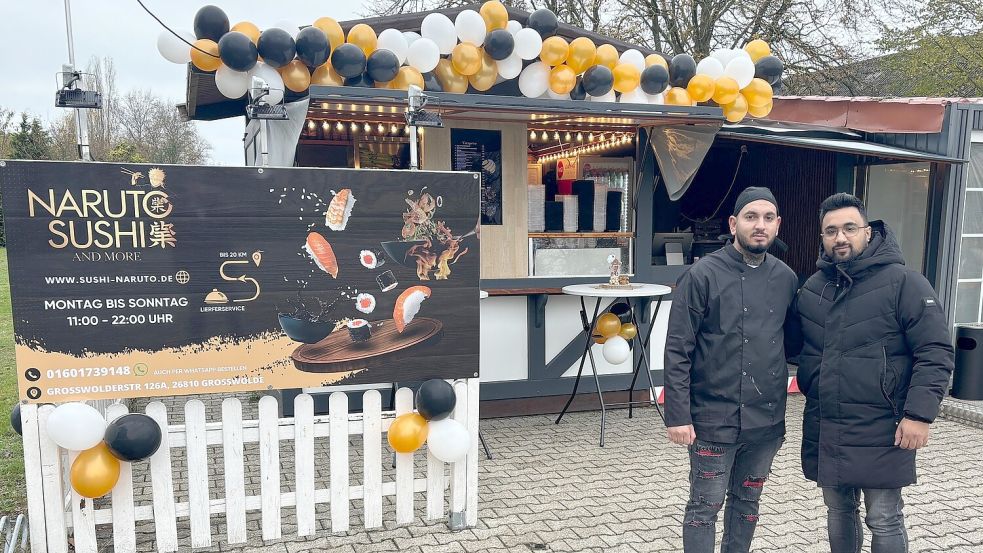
(753, 259)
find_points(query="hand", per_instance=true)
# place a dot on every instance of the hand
(682, 435)
(911, 434)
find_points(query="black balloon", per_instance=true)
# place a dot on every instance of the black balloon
(382, 66)
(348, 60)
(544, 22)
(499, 44)
(237, 51)
(313, 47)
(578, 92)
(682, 68)
(622, 309)
(598, 80)
(655, 79)
(15, 420)
(769, 68)
(435, 399)
(362, 80)
(211, 22)
(277, 47)
(430, 82)
(133, 437)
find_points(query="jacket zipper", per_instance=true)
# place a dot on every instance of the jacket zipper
(888, 396)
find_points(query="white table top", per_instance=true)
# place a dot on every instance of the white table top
(638, 290)
(482, 294)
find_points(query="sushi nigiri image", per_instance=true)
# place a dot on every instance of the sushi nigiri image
(339, 210)
(359, 330)
(408, 305)
(365, 303)
(370, 259)
(322, 254)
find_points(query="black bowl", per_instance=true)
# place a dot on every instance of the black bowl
(306, 331)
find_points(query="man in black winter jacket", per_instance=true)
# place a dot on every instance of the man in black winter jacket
(874, 366)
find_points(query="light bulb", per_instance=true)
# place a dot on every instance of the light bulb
(590, 137)
(566, 137)
(367, 128)
(532, 136)
(310, 125)
(580, 137)
(556, 136)
(325, 126)
(382, 128)
(394, 129)
(354, 127)
(340, 126)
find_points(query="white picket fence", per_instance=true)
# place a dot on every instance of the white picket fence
(55, 511)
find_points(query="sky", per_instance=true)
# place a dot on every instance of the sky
(35, 47)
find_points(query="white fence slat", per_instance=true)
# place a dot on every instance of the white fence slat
(34, 477)
(124, 525)
(269, 470)
(83, 519)
(163, 484)
(304, 464)
(459, 469)
(404, 465)
(435, 487)
(194, 422)
(473, 424)
(53, 483)
(340, 502)
(235, 485)
(372, 458)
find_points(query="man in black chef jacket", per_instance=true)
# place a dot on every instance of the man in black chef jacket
(725, 374)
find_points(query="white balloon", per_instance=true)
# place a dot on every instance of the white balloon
(272, 79)
(637, 96)
(534, 80)
(528, 44)
(740, 53)
(615, 350)
(232, 84)
(440, 29)
(395, 42)
(722, 55)
(510, 67)
(470, 27)
(740, 69)
(448, 440)
(609, 97)
(76, 426)
(173, 48)
(513, 26)
(710, 67)
(411, 36)
(423, 55)
(633, 57)
(288, 26)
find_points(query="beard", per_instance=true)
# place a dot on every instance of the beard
(756, 249)
(837, 257)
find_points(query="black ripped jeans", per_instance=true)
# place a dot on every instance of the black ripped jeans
(732, 472)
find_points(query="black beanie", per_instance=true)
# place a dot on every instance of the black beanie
(754, 193)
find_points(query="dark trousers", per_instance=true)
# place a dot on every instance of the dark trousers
(884, 518)
(731, 476)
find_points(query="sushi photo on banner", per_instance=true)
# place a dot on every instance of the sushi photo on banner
(135, 280)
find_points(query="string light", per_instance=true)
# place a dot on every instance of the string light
(354, 127)
(325, 126)
(532, 136)
(340, 127)
(567, 136)
(310, 125)
(382, 128)
(368, 129)
(590, 137)
(394, 129)
(580, 137)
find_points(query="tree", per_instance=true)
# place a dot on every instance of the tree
(31, 140)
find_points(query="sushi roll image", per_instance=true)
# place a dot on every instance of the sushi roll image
(370, 259)
(408, 305)
(359, 330)
(365, 303)
(339, 210)
(320, 251)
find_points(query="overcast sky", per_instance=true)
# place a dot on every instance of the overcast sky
(35, 47)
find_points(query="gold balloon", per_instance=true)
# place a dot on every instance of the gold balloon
(326, 75)
(204, 61)
(757, 49)
(626, 77)
(408, 432)
(760, 111)
(248, 29)
(407, 75)
(562, 79)
(450, 80)
(495, 15)
(725, 90)
(364, 37)
(295, 76)
(700, 88)
(678, 97)
(758, 93)
(331, 29)
(555, 51)
(656, 59)
(487, 75)
(736, 110)
(582, 52)
(95, 472)
(608, 325)
(466, 58)
(598, 339)
(606, 55)
(628, 331)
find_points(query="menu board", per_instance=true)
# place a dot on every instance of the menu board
(480, 151)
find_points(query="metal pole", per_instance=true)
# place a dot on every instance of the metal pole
(81, 119)
(264, 152)
(414, 156)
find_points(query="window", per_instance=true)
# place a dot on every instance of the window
(969, 289)
(898, 194)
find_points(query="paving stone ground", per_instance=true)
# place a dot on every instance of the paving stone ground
(551, 488)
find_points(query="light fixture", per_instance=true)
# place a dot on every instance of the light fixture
(532, 136)
(556, 136)
(340, 126)
(310, 125)
(567, 136)
(382, 128)
(590, 137)
(354, 126)
(580, 137)
(367, 128)
(394, 129)
(544, 137)
(325, 126)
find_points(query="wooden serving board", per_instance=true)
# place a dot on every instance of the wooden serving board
(338, 352)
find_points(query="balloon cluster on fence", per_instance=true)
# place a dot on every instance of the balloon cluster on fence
(475, 51)
(615, 330)
(447, 439)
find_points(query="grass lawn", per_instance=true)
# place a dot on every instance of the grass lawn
(11, 451)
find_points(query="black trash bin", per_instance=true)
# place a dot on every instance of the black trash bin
(967, 379)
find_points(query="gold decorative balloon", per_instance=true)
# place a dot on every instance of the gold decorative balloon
(408, 433)
(581, 56)
(598, 339)
(700, 88)
(331, 29)
(562, 79)
(364, 37)
(95, 472)
(295, 76)
(626, 77)
(606, 55)
(608, 325)
(678, 97)
(757, 49)
(203, 60)
(466, 58)
(758, 93)
(494, 14)
(249, 29)
(450, 80)
(656, 59)
(487, 75)
(736, 110)
(760, 111)
(407, 75)
(628, 331)
(326, 75)
(725, 90)
(555, 51)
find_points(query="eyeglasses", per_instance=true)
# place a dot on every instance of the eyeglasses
(849, 230)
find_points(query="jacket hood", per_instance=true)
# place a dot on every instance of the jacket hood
(883, 249)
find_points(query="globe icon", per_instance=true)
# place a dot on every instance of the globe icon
(182, 277)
